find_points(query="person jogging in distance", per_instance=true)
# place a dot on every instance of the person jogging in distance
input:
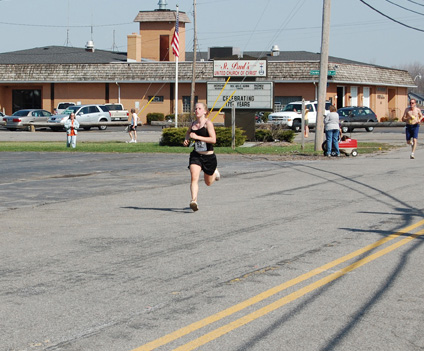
(132, 128)
(412, 116)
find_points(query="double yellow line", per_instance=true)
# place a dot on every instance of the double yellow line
(285, 300)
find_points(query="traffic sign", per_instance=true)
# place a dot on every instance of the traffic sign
(315, 72)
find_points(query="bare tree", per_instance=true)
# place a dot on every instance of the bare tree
(416, 70)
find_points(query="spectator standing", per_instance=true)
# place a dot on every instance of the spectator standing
(412, 116)
(71, 127)
(332, 129)
(306, 132)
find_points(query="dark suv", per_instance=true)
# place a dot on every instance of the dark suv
(356, 114)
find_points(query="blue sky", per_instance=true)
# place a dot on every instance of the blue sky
(357, 32)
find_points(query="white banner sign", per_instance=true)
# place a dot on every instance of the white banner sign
(239, 68)
(247, 95)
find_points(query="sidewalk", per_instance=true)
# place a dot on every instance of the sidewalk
(388, 135)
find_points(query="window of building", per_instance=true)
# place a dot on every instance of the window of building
(282, 101)
(187, 103)
(156, 99)
(26, 99)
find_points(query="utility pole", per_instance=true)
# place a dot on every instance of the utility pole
(323, 72)
(193, 79)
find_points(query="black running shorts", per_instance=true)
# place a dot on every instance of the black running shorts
(208, 163)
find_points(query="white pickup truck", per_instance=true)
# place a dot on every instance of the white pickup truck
(117, 112)
(292, 114)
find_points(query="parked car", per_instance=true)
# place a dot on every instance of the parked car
(21, 117)
(117, 112)
(62, 106)
(83, 114)
(356, 114)
(291, 116)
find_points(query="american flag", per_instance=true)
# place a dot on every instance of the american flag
(176, 39)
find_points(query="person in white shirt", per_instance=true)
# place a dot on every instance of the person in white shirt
(71, 126)
(132, 128)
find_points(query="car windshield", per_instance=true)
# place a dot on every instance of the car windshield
(293, 107)
(64, 105)
(71, 109)
(21, 113)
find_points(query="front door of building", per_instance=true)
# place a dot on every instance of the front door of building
(340, 97)
(366, 97)
(164, 48)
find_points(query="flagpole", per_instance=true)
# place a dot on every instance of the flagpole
(176, 80)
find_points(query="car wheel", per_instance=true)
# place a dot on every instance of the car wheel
(369, 129)
(103, 127)
(345, 129)
(297, 125)
(354, 153)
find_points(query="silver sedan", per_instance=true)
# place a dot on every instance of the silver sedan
(21, 118)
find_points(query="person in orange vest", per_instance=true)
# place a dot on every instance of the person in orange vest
(71, 126)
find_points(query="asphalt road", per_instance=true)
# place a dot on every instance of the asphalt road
(101, 252)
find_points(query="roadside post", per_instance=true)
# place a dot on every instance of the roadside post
(303, 125)
(233, 126)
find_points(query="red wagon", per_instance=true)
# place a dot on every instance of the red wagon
(347, 146)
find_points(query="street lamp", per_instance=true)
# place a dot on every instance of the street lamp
(417, 76)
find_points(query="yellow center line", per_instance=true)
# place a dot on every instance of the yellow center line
(268, 293)
(291, 297)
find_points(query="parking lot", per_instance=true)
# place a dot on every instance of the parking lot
(101, 252)
(147, 133)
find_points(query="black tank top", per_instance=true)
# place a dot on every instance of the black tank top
(204, 133)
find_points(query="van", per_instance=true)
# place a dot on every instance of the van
(62, 106)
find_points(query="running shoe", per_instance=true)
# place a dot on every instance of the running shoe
(217, 175)
(193, 206)
(412, 156)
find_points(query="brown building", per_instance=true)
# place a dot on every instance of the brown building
(43, 77)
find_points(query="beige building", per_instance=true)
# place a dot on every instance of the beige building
(43, 77)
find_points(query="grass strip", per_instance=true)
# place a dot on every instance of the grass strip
(121, 147)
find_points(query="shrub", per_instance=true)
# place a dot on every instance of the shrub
(155, 116)
(264, 118)
(263, 135)
(183, 118)
(175, 136)
(286, 135)
(223, 137)
(273, 132)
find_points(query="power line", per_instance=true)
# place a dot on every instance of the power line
(405, 8)
(61, 26)
(390, 18)
(416, 3)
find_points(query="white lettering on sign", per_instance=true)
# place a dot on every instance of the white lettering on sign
(246, 95)
(240, 68)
